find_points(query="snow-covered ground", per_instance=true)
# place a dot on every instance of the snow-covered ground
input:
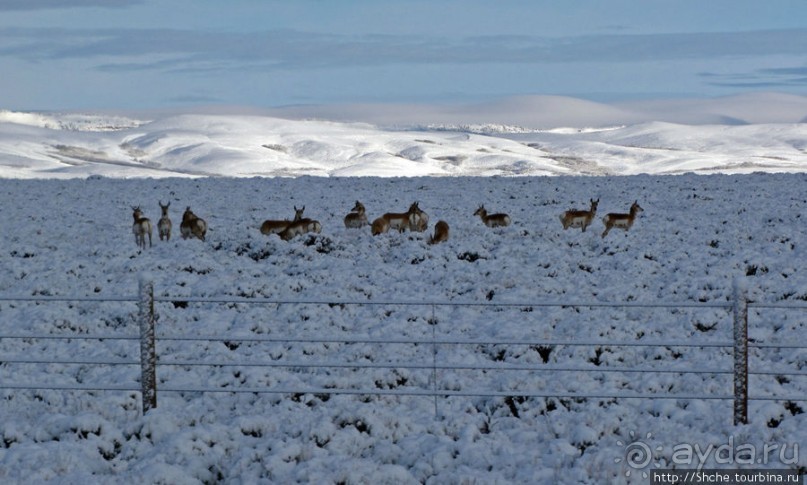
(697, 234)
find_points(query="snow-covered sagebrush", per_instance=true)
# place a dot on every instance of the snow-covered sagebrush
(696, 236)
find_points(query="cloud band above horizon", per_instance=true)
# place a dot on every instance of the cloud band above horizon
(269, 66)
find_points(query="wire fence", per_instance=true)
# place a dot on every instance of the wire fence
(427, 364)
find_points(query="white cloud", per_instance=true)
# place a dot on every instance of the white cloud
(305, 49)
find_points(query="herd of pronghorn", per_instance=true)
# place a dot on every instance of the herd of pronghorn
(414, 220)
(191, 226)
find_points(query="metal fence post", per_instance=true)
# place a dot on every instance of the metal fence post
(434, 362)
(740, 353)
(148, 352)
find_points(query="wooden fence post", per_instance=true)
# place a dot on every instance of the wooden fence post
(740, 353)
(148, 352)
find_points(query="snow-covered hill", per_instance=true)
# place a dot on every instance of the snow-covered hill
(39, 145)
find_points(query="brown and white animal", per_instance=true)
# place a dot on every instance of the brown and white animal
(398, 220)
(621, 221)
(440, 233)
(164, 224)
(300, 226)
(277, 226)
(379, 226)
(192, 226)
(357, 218)
(579, 218)
(418, 220)
(140, 228)
(492, 220)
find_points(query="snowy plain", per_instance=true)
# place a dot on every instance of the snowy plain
(711, 215)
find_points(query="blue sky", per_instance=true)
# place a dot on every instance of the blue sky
(153, 54)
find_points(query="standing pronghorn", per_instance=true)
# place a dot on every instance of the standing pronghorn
(397, 220)
(164, 224)
(418, 220)
(140, 228)
(192, 226)
(379, 226)
(622, 221)
(579, 218)
(300, 226)
(492, 220)
(440, 233)
(357, 217)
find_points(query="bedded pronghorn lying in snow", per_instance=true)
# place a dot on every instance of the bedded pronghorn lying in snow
(579, 218)
(140, 228)
(271, 226)
(492, 220)
(621, 221)
(300, 226)
(440, 233)
(357, 218)
(164, 224)
(192, 225)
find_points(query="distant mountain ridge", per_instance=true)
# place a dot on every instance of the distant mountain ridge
(548, 112)
(756, 133)
(69, 121)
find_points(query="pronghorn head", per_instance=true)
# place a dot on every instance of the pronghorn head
(188, 215)
(594, 204)
(298, 213)
(165, 207)
(481, 211)
(136, 212)
(635, 207)
(359, 207)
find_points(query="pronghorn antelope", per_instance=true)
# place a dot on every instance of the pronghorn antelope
(418, 220)
(357, 217)
(192, 226)
(492, 220)
(164, 224)
(440, 233)
(379, 226)
(276, 226)
(579, 218)
(300, 226)
(140, 228)
(622, 221)
(400, 220)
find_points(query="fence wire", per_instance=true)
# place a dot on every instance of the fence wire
(433, 366)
